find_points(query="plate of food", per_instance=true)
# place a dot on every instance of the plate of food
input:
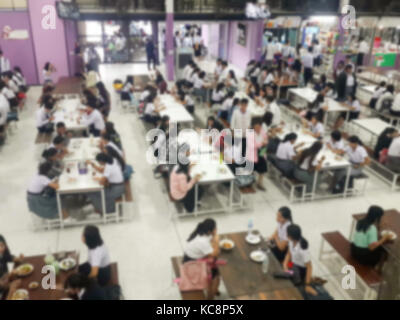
(67, 264)
(257, 256)
(393, 235)
(33, 285)
(253, 239)
(24, 270)
(226, 244)
(20, 294)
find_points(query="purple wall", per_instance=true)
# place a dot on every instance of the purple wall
(71, 37)
(240, 55)
(49, 44)
(19, 52)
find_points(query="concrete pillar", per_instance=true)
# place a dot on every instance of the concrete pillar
(169, 40)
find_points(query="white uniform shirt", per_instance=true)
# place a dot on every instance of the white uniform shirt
(394, 149)
(285, 151)
(198, 83)
(95, 119)
(378, 92)
(4, 109)
(42, 117)
(269, 78)
(305, 165)
(396, 103)
(299, 256)
(113, 173)
(282, 230)
(308, 60)
(336, 145)
(241, 121)
(8, 93)
(224, 74)
(227, 104)
(4, 64)
(318, 128)
(276, 111)
(99, 257)
(38, 184)
(358, 155)
(150, 109)
(199, 247)
(271, 50)
(349, 81)
(217, 96)
(115, 147)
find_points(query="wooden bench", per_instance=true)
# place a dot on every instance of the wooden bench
(189, 295)
(43, 138)
(369, 276)
(114, 280)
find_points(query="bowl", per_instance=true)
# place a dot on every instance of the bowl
(226, 244)
(24, 270)
(257, 256)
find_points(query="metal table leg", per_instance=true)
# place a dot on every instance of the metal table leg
(60, 210)
(103, 205)
(347, 181)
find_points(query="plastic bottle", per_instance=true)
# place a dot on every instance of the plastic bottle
(265, 264)
(250, 226)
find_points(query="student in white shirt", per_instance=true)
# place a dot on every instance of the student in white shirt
(187, 41)
(94, 120)
(218, 68)
(273, 107)
(224, 72)
(4, 63)
(386, 99)
(315, 127)
(266, 77)
(226, 106)
(41, 197)
(112, 178)
(218, 94)
(395, 108)
(393, 160)
(47, 73)
(203, 243)
(379, 90)
(152, 111)
(354, 106)
(231, 82)
(4, 110)
(335, 143)
(200, 86)
(286, 154)
(358, 157)
(197, 44)
(255, 72)
(249, 67)
(279, 239)
(187, 101)
(270, 51)
(44, 118)
(299, 255)
(308, 165)
(98, 265)
(363, 50)
(241, 122)
(127, 90)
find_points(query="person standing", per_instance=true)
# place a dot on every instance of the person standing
(241, 121)
(308, 64)
(150, 54)
(4, 63)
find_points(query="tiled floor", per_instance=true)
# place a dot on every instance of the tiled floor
(144, 246)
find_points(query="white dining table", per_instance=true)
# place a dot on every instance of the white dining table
(199, 142)
(83, 149)
(213, 171)
(175, 110)
(69, 111)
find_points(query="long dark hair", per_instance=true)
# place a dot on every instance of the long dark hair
(318, 100)
(290, 136)
(6, 255)
(286, 213)
(114, 153)
(384, 141)
(374, 215)
(129, 79)
(267, 118)
(92, 237)
(203, 228)
(294, 233)
(104, 158)
(102, 90)
(311, 152)
(355, 139)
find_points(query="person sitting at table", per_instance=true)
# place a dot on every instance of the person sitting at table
(187, 101)
(98, 265)
(383, 143)
(59, 144)
(379, 90)
(267, 121)
(81, 287)
(235, 106)
(299, 255)
(41, 196)
(47, 73)
(231, 82)
(192, 77)
(317, 108)
(109, 129)
(321, 84)
(273, 107)
(249, 67)
(47, 93)
(224, 72)
(112, 178)
(346, 83)
(104, 99)
(395, 107)
(226, 106)
(252, 90)
(203, 243)
(51, 155)
(286, 154)
(358, 158)
(217, 94)
(93, 119)
(127, 91)
(106, 143)
(354, 106)
(6, 257)
(365, 246)
(200, 87)
(314, 128)
(218, 68)
(329, 91)
(279, 239)
(152, 111)
(255, 72)
(182, 185)
(335, 143)
(257, 151)
(61, 131)
(308, 165)
(266, 76)
(212, 123)
(393, 157)
(385, 101)
(44, 118)
(160, 82)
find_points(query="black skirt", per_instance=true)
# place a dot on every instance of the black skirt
(261, 165)
(279, 254)
(365, 256)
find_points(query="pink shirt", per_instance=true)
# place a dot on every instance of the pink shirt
(179, 185)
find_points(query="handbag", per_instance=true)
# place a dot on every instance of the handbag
(194, 275)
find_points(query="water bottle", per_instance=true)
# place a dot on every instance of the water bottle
(250, 226)
(265, 264)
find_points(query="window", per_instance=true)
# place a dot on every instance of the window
(13, 4)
